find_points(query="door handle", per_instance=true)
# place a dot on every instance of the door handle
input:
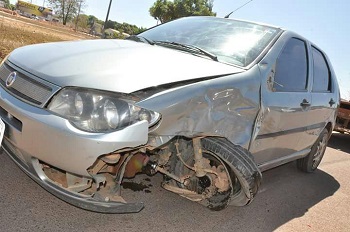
(331, 102)
(305, 103)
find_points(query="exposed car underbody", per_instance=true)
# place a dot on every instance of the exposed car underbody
(189, 170)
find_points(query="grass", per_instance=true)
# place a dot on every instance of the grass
(14, 37)
(18, 31)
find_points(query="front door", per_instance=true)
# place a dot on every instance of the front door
(285, 103)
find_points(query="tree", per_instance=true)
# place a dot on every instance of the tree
(124, 27)
(164, 10)
(161, 10)
(82, 22)
(66, 9)
(92, 20)
(7, 4)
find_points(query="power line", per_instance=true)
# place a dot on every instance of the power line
(227, 16)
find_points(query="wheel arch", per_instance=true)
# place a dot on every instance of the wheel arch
(329, 127)
(242, 164)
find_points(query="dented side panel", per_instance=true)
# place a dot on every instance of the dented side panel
(225, 107)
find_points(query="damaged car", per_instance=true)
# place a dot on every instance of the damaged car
(208, 102)
(343, 117)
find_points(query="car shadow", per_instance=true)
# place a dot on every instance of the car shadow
(340, 142)
(285, 194)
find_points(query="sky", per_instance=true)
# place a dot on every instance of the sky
(324, 22)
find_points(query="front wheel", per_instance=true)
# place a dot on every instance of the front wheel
(239, 174)
(313, 159)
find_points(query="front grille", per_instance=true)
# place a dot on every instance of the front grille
(24, 87)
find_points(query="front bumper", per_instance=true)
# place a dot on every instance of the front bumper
(33, 135)
(33, 170)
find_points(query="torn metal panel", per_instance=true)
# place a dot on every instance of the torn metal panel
(225, 107)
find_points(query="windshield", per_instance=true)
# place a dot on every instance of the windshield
(234, 42)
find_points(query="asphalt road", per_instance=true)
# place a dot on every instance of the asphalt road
(289, 200)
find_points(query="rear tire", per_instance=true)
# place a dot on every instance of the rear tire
(313, 159)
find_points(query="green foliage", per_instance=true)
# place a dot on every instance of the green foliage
(83, 21)
(164, 10)
(66, 9)
(92, 19)
(113, 34)
(96, 29)
(124, 27)
(129, 29)
(7, 4)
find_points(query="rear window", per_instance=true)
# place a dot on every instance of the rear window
(322, 77)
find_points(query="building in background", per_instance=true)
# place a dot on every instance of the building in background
(2, 4)
(31, 10)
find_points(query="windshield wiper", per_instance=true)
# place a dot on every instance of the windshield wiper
(189, 47)
(139, 38)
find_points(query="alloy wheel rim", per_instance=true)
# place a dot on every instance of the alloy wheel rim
(321, 147)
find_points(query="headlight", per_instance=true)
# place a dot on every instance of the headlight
(111, 114)
(79, 104)
(97, 111)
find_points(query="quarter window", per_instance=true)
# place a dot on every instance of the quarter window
(322, 75)
(292, 68)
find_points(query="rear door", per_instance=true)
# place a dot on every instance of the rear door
(324, 96)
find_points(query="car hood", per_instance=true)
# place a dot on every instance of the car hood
(114, 65)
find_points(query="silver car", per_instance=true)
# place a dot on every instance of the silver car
(208, 102)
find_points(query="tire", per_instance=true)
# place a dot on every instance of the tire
(243, 166)
(313, 159)
(244, 174)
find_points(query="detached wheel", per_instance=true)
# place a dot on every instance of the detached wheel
(231, 161)
(313, 159)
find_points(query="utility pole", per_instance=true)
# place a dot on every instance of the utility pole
(109, 8)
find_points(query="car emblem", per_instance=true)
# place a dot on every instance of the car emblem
(11, 79)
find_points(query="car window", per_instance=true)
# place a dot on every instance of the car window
(322, 75)
(292, 67)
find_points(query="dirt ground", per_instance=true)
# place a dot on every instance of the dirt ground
(17, 31)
